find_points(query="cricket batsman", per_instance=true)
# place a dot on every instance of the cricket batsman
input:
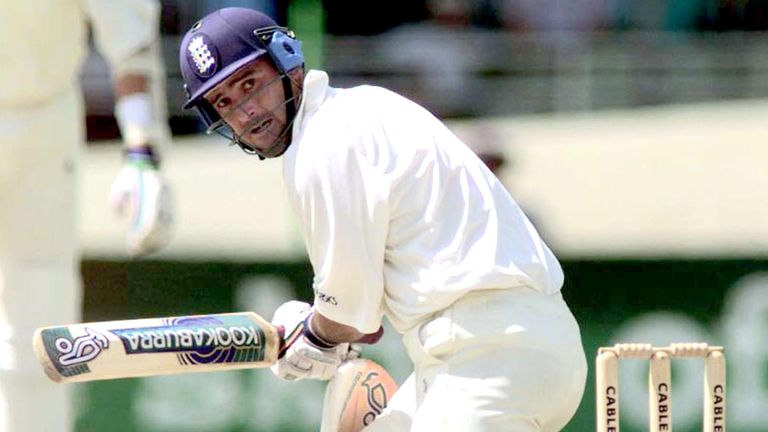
(400, 220)
(44, 43)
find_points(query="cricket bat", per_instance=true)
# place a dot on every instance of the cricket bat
(156, 346)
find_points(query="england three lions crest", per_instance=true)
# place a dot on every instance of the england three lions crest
(202, 56)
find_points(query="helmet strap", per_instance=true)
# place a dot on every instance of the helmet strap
(290, 109)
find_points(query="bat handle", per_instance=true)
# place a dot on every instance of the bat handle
(283, 344)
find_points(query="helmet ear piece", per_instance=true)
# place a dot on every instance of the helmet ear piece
(208, 113)
(285, 51)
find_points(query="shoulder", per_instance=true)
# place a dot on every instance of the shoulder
(364, 102)
(365, 126)
(344, 134)
(347, 117)
(369, 100)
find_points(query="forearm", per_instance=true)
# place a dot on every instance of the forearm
(134, 111)
(131, 83)
(140, 191)
(332, 331)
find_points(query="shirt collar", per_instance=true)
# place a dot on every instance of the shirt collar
(312, 95)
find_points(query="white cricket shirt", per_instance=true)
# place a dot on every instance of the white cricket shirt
(398, 215)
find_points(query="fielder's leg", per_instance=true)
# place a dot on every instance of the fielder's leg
(39, 266)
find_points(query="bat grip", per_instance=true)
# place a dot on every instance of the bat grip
(281, 335)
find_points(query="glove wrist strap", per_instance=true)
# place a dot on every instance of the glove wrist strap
(142, 155)
(313, 337)
(135, 118)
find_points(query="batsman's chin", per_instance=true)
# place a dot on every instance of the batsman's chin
(269, 143)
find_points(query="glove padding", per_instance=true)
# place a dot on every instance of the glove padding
(142, 193)
(300, 357)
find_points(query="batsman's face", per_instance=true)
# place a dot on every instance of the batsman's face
(252, 103)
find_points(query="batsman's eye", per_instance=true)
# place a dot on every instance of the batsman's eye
(222, 103)
(248, 85)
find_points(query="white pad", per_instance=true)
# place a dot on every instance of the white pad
(357, 393)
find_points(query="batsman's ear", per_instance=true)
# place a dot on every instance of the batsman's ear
(285, 51)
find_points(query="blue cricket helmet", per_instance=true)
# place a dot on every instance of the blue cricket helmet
(227, 39)
(219, 45)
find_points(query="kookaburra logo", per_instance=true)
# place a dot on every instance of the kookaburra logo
(377, 396)
(82, 349)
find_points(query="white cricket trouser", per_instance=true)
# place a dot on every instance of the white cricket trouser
(497, 360)
(40, 284)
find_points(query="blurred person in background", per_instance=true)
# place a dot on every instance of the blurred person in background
(400, 219)
(41, 145)
(487, 143)
(269, 7)
(556, 15)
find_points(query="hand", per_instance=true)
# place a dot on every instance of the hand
(143, 194)
(304, 355)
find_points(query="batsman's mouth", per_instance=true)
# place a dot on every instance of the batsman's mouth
(262, 127)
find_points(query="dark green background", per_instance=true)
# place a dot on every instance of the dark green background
(602, 293)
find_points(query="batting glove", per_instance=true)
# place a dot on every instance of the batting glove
(304, 354)
(142, 193)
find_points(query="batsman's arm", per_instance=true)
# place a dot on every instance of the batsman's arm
(333, 331)
(156, 346)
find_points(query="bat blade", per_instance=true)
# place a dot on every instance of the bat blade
(156, 346)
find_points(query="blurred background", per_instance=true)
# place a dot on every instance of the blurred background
(632, 131)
